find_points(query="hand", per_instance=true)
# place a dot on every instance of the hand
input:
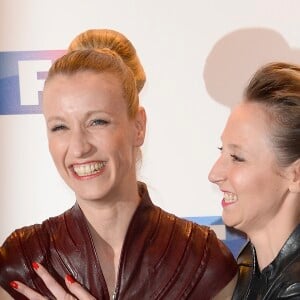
(77, 291)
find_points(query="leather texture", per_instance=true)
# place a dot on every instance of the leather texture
(163, 256)
(279, 280)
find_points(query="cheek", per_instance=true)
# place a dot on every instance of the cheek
(239, 179)
(119, 140)
(125, 149)
(250, 184)
(247, 181)
(56, 149)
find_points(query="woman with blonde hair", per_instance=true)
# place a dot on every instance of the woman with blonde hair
(114, 241)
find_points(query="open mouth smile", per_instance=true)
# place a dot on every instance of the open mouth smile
(88, 169)
(229, 198)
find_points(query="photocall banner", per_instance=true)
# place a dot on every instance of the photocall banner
(198, 56)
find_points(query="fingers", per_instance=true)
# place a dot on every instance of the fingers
(58, 292)
(51, 284)
(76, 289)
(26, 291)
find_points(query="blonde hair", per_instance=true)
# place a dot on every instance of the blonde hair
(104, 50)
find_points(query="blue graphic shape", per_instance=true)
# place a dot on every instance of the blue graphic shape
(10, 103)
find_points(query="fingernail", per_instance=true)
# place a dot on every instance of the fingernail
(13, 284)
(35, 265)
(70, 278)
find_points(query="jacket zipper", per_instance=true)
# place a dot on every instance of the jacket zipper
(117, 286)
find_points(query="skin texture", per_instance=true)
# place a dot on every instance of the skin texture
(248, 169)
(4, 295)
(87, 121)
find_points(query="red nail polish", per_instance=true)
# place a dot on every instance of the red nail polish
(70, 278)
(14, 285)
(35, 265)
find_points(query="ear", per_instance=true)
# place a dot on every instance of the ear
(294, 172)
(140, 126)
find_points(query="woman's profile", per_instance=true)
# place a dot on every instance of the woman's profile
(258, 172)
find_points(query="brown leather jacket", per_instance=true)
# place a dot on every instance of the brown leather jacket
(163, 257)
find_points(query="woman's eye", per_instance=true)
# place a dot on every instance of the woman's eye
(220, 148)
(236, 158)
(99, 122)
(58, 128)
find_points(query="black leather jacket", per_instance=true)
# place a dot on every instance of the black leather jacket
(279, 280)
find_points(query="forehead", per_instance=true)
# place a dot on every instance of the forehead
(90, 79)
(83, 88)
(248, 124)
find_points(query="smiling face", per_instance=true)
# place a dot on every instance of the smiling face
(92, 140)
(255, 188)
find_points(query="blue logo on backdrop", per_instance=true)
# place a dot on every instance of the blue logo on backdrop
(22, 76)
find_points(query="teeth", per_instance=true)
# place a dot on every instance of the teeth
(88, 169)
(229, 197)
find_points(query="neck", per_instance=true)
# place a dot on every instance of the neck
(267, 243)
(269, 236)
(109, 219)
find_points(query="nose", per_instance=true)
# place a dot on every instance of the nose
(79, 145)
(217, 173)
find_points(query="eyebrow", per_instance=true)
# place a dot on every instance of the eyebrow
(92, 112)
(88, 114)
(51, 119)
(235, 146)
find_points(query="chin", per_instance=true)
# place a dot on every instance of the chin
(228, 221)
(91, 196)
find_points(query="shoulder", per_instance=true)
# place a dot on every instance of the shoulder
(219, 260)
(292, 291)
(31, 238)
(201, 238)
(289, 280)
(17, 253)
(182, 230)
(22, 241)
(202, 253)
(21, 248)
(292, 270)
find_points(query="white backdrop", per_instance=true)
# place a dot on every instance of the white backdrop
(197, 55)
